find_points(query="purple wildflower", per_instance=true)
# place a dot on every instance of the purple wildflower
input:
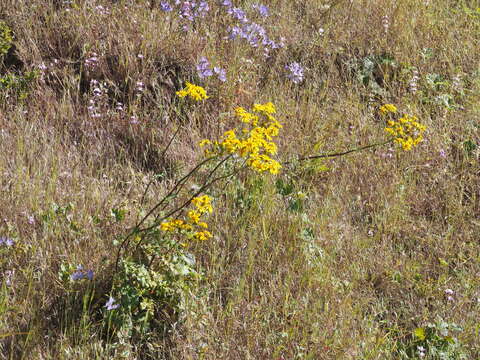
(227, 3)
(191, 9)
(186, 10)
(202, 9)
(253, 33)
(80, 274)
(77, 275)
(296, 72)
(262, 9)
(140, 86)
(9, 277)
(89, 274)
(6, 241)
(165, 6)
(222, 74)
(102, 10)
(238, 14)
(234, 32)
(203, 68)
(91, 62)
(110, 304)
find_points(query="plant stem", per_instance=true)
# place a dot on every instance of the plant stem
(336, 154)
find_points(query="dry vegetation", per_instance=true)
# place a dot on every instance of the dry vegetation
(340, 258)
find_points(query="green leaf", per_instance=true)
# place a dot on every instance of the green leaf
(469, 147)
(118, 214)
(450, 339)
(284, 188)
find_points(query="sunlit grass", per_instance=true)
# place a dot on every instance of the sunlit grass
(341, 257)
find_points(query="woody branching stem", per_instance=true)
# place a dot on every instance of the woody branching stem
(178, 186)
(337, 154)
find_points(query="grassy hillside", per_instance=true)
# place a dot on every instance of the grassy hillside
(301, 229)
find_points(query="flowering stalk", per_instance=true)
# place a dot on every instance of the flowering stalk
(405, 131)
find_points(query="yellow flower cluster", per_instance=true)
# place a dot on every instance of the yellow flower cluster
(253, 141)
(387, 109)
(193, 223)
(203, 204)
(406, 131)
(175, 224)
(195, 92)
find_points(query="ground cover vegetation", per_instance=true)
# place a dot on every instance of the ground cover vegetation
(239, 180)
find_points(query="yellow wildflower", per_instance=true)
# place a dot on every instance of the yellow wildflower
(187, 227)
(254, 140)
(172, 225)
(230, 142)
(203, 224)
(406, 131)
(195, 92)
(265, 109)
(204, 142)
(203, 235)
(178, 223)
(167, 226)
(246, 117)
(388, 108)
(262, 163)
(203, 204)
(194, 216)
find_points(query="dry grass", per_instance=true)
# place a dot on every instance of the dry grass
(349, 274)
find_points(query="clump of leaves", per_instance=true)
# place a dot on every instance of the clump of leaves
(150, 287)
(435, 341)
(374, 72)
(12, 85)
(6, 39)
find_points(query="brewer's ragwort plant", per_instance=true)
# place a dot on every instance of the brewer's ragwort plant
(175, 180)
(154, 269)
